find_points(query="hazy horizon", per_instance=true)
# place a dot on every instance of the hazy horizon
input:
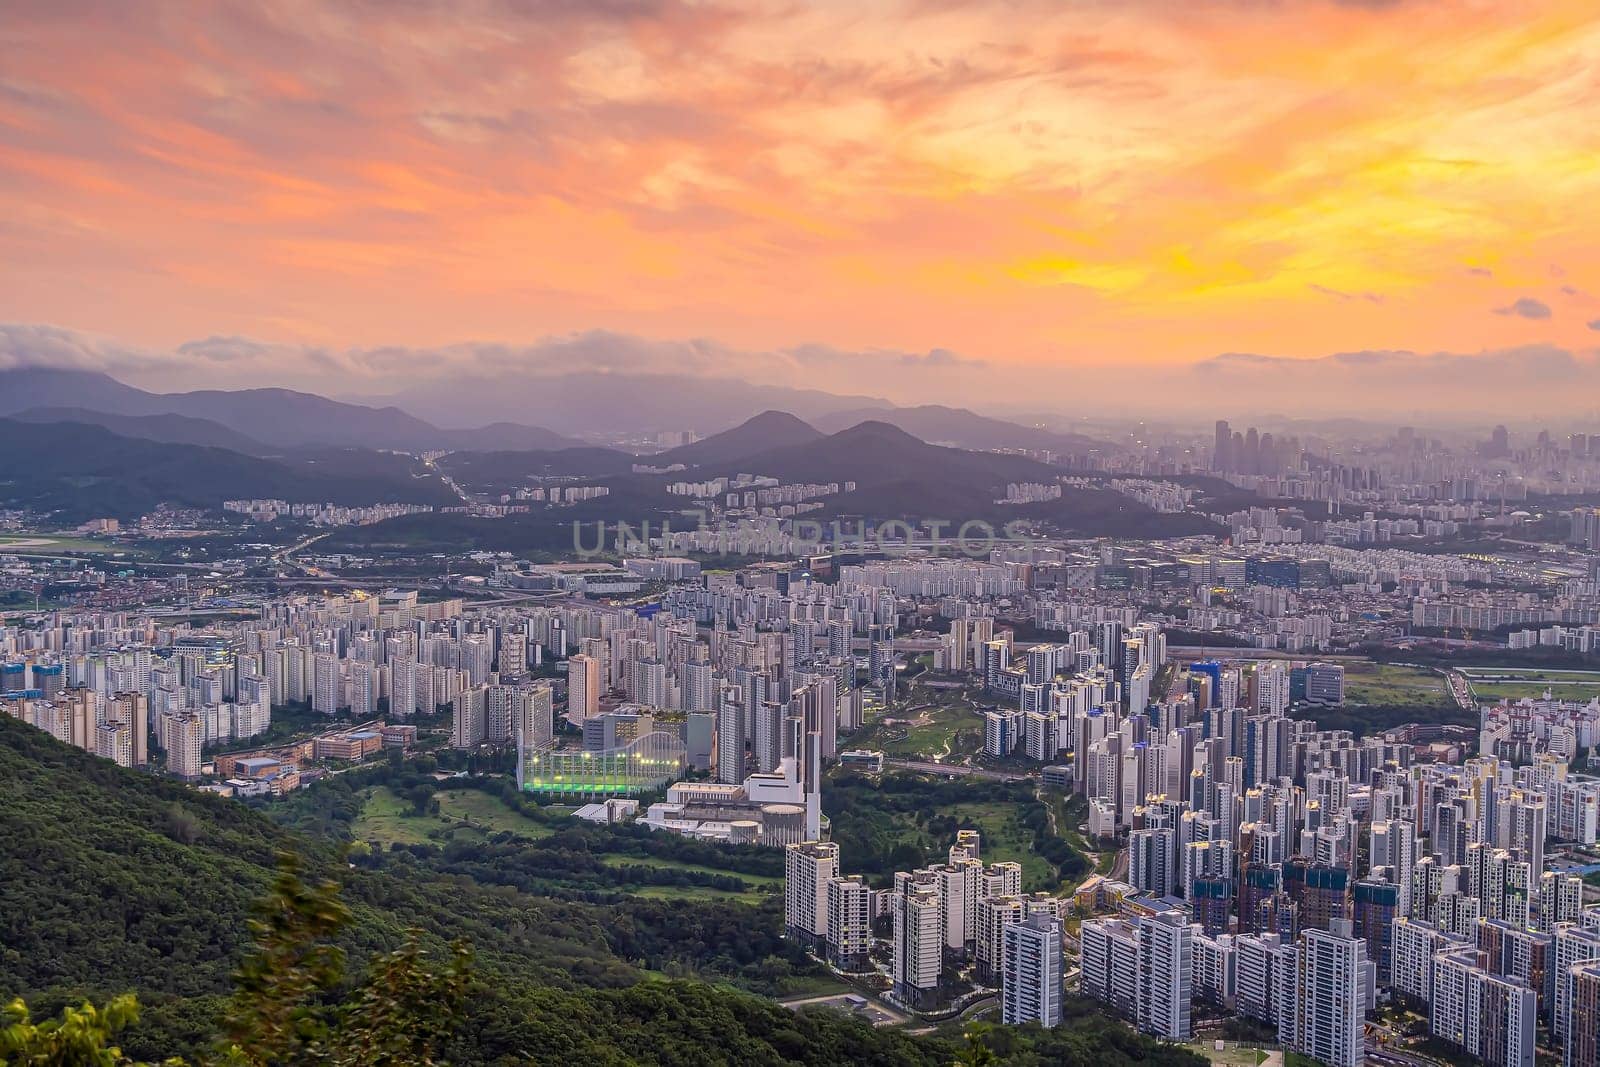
(1531, 385)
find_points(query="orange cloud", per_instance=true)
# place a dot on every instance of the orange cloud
(1021, 183)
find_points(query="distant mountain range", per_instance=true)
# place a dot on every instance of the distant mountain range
(766, 431)
(167, 429)
(877, 453)
(263, 421)
(899, 475)
(277, 418)
(583, 402)
(80, 471)
(84, 444)
(963, 429)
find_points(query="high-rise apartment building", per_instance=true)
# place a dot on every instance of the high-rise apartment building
(185, 737)
(583, 687)
(1030, 987)
(1143, 968)
(808, 868)
(918, 948)
(1582, 1047)
(849, 924)
(1330, 1004)
(730, 738)
(325, 693)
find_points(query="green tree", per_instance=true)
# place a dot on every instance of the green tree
(276, 1015)
(283, 1009)
(406, 1012)
(976, 1052)
(81, 1037)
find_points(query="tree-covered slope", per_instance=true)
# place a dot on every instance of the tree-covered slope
(117, 882)
(113, 881)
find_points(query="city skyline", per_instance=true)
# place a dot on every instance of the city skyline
(737, 531)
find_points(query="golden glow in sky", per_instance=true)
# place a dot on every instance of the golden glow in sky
(1045, 183)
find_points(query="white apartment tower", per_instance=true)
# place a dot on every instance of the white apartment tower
(325, 684)
(1330, 997)
(1165, 978)
(918, 948)
(1030, 987)
(809, 866)
(185, 736)
(849, 924)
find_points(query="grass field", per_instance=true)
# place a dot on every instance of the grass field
(615, 859)
(756, 888)
(50, 542)
(387, 818)
(1395, 685)
(694, 892)
(472, 816)
(946, 725)
(1005, 838)
(1489, 691)
(1232, 1054)
(1508, 683)
(1518, 674)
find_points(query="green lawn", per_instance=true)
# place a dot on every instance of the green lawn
(1394, 685)
(479, 809)
(54, 543)
(471, 815)
(1518, 673)
(1492, 691)
(756, 887)
(693, 892)
(618, 859)
(952, 726)
(1508, 683)
(1232, 1054)
(387, 818)
(1005, 838)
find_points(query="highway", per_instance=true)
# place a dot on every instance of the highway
(1461, 690)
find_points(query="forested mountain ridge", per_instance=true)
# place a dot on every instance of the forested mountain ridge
(113, 881)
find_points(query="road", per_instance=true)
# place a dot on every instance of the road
(1393, 1058)
(1461, 689)
(433, 466)
(981, 1004)
(305, 542)
(109, 556)
(1119, 866)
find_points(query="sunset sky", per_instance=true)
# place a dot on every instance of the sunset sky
(936, 185)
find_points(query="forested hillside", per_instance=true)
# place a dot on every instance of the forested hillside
(113, 881)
